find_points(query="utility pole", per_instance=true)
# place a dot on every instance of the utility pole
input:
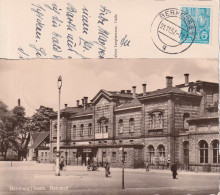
(123, 171)
(59, 85)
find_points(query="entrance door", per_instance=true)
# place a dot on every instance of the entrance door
(84, 158)
(186, 152)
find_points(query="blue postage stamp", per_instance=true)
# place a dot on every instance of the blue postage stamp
(201, 17)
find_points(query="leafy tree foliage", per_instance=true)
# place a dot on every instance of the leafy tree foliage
(40, 121)
(6, 129)
(15, 128)
(21, 132)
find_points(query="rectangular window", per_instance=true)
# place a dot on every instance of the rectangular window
(45, 154)
(42, 154)
(113, 156)
(74, 156)
(215, 98)
(103, 154)
(215, 156)
(203, 156)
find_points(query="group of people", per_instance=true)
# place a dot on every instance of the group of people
(107, 168)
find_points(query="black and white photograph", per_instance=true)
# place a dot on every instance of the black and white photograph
(110, 126)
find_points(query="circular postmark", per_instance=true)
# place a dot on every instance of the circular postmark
(173, 31)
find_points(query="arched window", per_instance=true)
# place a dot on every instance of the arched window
(131, 125)
(156, 119)
(215, 151)
(120, 126)
(151, 154)
(186, 152)
(90, 129)
(160, 120)
(161, 150)
(81, 130)
(185, 123)
(203, 147)
(74, 131)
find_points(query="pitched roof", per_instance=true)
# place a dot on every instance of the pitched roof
(168, 90)
(120, 94)
(38, 138)
(72, 109)
(196, 83)
(133, 103)
(113, 94)
(88, 110)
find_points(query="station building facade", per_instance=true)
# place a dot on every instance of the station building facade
(174, 124)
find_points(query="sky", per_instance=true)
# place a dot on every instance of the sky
(35, 81)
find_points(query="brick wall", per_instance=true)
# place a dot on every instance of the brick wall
(85, 121)
(185, 106)
(152, 106)
(104, 108)
(155, 142)
(126, 115)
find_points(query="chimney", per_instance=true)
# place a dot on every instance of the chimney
(85, 102)
(186, 78)
(77, 103)
(19, 102)
(144, 88)
(134, 91)
(65, 105)
(169, 81)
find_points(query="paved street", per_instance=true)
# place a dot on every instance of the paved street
(32, 178)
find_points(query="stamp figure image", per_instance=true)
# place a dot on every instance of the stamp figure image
(201, 16)
(171, 29)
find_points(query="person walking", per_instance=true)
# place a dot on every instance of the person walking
(168, 161)
(107, 169)
(174, 170)
(61, 165)
(147, 166)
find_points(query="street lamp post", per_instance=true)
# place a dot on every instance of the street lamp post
(123, 171)
(59, 85)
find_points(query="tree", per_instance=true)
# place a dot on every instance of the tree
(40, 121)
(6, 129)
(20, 133)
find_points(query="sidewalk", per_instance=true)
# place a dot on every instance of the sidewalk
(28, 165)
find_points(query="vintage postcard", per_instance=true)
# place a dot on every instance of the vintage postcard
(109, 29)
(112, 126)
(109, 97)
